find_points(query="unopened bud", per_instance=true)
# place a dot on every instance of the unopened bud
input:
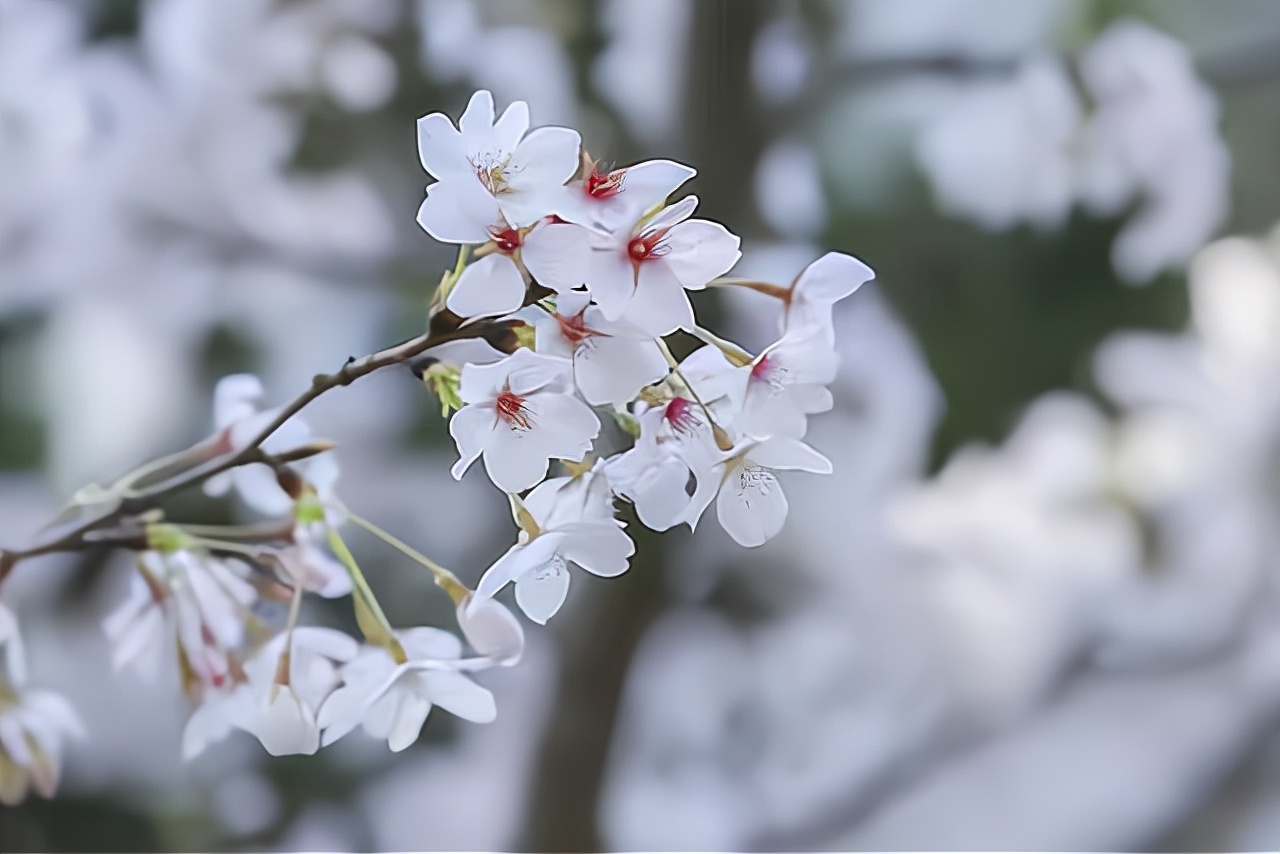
(290, 481)
(723, 442)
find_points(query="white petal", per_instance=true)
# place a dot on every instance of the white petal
(517, 560)
(646, 185)
(410, 714)
(611, 280)
(491, 629)
(613, 369)
(511, 126)
(659, 305)
(458, 695)
(458, 210)
(488, 287)
(285, 726)
(558, 255)
(786, 453)
(601, 548)
(751, 506)
(477, 118)
(342, 711)
(700, 251)
(541, 591)
(236, 396)
(542, 162)
(441, 148)
(470, 428)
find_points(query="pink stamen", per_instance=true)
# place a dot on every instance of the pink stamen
(604, 185)
(511, 409)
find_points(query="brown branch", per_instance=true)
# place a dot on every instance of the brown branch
(140, 500)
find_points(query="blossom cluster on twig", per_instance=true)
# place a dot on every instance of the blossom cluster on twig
(551, 343)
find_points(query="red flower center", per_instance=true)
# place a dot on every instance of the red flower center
(507, 240)
(604, 185)
(511, 409)
(648, 246)
(681, 415)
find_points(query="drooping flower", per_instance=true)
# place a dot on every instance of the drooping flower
(391, 700)
(750, 503)
(286, 687)
(612, 360)
(198, 600)
(33, 724)
(570, 521)
(491, 171)
(520, 414)
(238, 419)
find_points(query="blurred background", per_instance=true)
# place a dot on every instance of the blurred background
(1038, 604)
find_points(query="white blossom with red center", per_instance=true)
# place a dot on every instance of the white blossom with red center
(639, 269)
(674, 450)
(491, 171)
(749, 500)
(520, 413)
(778, 390)
(575, 526)
(612, 360)
(603, 199)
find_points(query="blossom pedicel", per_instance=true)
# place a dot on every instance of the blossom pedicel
(570, 293)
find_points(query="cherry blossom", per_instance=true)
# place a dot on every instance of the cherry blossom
(750, 503)
(201, 601)
(33, 724)
(612, 360)
(519, 414)
(572, 524)
(605, 199)
(640, 268)
(675, 447)
(391, 700)
(288, 679)
(238, 419)
(491, 171)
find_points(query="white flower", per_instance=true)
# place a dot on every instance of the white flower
(819, 287)
(238, 420)
(392, 700)
(33, 725)
(200, 600)
(491, 171)
(675, 447)
(605, 200)
(519, 415)
(612, 360)
(750, 503)
(491, 629)
(639, 269)
(307, 562)
(574, 525)
(283, 715)
(775, 394)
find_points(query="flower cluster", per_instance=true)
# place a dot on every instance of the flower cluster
(597, 266)
(551, 343)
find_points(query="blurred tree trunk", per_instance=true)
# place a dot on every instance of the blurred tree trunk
(722, 141)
